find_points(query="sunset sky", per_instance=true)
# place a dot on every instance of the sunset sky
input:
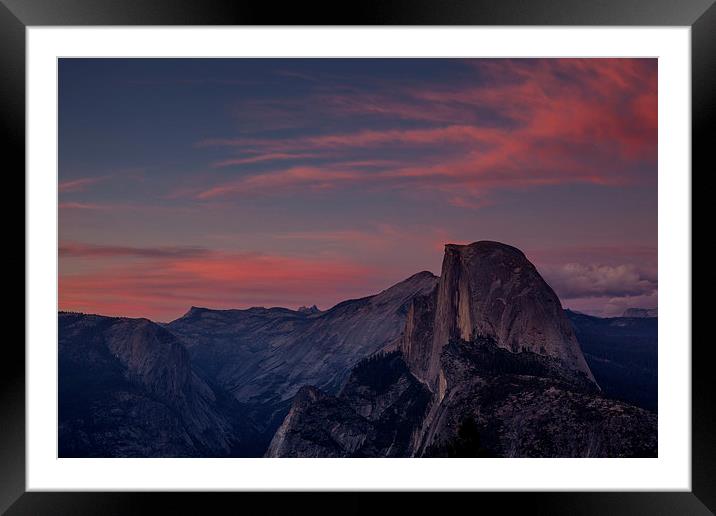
(231, 183)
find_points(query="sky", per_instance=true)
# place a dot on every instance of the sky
(232, 183)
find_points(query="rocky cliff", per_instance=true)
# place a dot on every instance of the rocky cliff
(488, 289)
(374, 415)
(528, 405)
(515, 405)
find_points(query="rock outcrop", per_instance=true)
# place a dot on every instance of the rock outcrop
(517, 404)
(374, 415)
(309, 310)
(488, 289)
(528, 405)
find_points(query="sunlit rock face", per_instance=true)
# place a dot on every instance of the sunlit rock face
(488, 289)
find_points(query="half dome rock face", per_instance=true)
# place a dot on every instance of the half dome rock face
(489, 289)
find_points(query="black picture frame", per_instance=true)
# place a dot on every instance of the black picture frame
(16, 15)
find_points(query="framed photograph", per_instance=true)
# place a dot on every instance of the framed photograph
(416, 249)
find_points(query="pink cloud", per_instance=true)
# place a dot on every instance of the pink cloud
(572, 121)
(302, 177)
(277, 156)
(367, 138)
(169, 280)
(465, 181)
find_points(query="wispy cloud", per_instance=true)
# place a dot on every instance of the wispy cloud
(562, 122)
(281, 182)
(276, 156)
(369, 138)
(81, 250)
(79, 185)
(80, 206)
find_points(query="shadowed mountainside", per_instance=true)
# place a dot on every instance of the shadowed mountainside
(374, 415)
(519, 405)
(622, 352)
(127, 389)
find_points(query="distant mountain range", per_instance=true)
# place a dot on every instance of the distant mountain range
(640, 312)
(481, 361)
